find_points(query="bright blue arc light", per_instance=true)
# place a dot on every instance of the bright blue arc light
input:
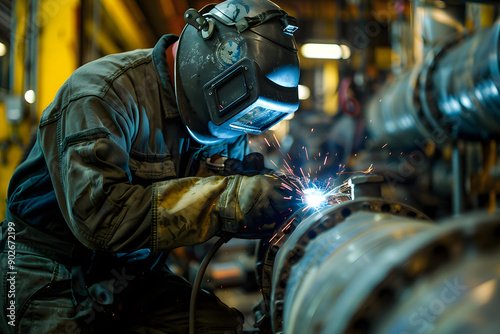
(315, 198)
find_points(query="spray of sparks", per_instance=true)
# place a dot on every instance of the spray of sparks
(313, 193)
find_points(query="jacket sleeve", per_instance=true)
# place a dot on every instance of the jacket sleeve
(92, 180)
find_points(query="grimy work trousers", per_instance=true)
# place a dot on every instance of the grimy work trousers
(43, 291)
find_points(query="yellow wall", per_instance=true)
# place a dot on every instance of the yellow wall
(12, 155)
(330, 86)
(58, 58)
(59, 42)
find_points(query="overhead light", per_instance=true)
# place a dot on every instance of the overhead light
(325, 51)
(3, 49)
(346, 51)
(30, 96)
(304, 92)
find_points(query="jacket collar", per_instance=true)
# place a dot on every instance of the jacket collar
(161, 66)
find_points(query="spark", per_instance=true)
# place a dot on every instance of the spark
(328, 183)
(384, 145)
(276, 140)
(287, 167)
(280, 238)
(317, 195)
(289, 223)
(302, 172)
(286, 186)
(314, 194)
(312, 130)
(368, 171)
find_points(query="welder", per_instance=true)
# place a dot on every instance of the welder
(139, 154)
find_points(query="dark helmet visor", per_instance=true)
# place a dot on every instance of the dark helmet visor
(242, 98)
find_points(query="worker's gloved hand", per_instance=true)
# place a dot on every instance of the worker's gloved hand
(255, 206)
(252, 164)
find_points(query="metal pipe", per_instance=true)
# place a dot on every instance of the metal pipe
(339, 256)
(372, 266)
(392, 221)
(393, 115)
(460, 87)
(455, 94)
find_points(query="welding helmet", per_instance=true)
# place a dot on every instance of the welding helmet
(237, 69)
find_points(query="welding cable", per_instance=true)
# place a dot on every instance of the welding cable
(199, 276)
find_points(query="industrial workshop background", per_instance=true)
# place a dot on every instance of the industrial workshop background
(409, 90)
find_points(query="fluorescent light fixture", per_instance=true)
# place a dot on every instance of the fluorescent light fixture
(3, 49)
(325, 51)
(30, 96)
(346, 51)
(304, 92)
(321, 51)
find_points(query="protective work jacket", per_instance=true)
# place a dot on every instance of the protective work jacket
(113, 167)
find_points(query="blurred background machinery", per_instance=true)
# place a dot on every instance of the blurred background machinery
(407, 90)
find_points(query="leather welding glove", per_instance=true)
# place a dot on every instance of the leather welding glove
(188, 211)
(255, 206)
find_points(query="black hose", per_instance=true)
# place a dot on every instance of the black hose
(197, 282)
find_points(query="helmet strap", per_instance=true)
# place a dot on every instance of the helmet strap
(288, 22)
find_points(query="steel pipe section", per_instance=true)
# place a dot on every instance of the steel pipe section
(393, 115)
(292, 243)
(454, 94)
(373, 266)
